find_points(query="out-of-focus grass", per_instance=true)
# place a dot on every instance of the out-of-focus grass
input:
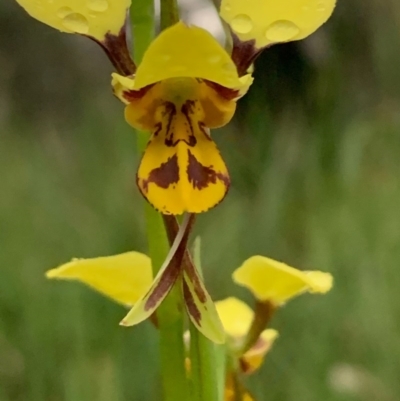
(316, 183)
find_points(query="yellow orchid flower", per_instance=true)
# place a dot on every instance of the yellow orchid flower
(236, 318)
(186, 84)
(275, 282)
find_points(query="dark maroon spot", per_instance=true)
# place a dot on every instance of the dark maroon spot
(190, 304)
(158, 128)
(165, 175)
(162, 288)
(202, 176)
(244, 53)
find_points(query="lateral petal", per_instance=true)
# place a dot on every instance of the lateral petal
(270, 280)
(124, 278)
(269, 21)
(93, 18)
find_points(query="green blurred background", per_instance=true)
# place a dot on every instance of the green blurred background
(314, 156)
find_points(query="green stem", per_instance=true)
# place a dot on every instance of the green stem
(169, 13)
(263, 312)
(169, 315)
(207, 359)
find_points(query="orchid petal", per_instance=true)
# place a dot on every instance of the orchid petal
(94, 18)
(270, 280)
(268, 21)
(124, 278)
(186, 51)
(236, 316)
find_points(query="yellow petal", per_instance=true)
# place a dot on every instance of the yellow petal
(254, 357)
(277, 282)
(93, 18)
(123, 278)
(319, 282)
(235, 315)
(183, 51)
(270, 21)
(181, 169)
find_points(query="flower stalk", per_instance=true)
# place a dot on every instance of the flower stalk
(207, 359)
(263, 313)
(169, 315)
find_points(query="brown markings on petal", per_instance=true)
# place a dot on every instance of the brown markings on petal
(202, 176)
(169, 112)
(165, 175)
(203, 128)
(190, 304)
(188, 109)
(157, 129)
(165, 284)
(131, 95)
(226, 93)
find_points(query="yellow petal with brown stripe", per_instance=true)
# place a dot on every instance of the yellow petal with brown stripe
(182, 169)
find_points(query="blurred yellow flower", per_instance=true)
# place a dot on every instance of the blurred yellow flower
(276, 282)
(94, 18)
(235, 391)
(236, 317)
(268, 21)
(124, 278)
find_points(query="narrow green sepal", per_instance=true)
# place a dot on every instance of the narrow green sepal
(164, 281)
(147, 305)
(200, 307)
